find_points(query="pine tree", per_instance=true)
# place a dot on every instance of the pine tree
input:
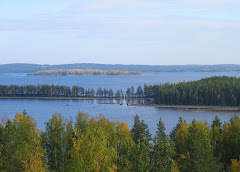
(163, 151)
(217, 138)
(161, 130)
(140, 157)
(175, 129)
(140, 131)
(217, 123)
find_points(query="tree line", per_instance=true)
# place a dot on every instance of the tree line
(97, 144)
(76, 72)
(218, 90)
(65, 91)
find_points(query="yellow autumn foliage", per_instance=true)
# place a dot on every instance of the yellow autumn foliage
(235, 165)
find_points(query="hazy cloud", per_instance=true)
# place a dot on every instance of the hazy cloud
(81, 23)
(205, 2)
(96, 5)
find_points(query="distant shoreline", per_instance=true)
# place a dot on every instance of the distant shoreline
(191, 107)
(152, 73)
(29, 68)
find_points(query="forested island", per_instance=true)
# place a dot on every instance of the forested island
(213, 91)
(97, 144)
(76, 72)
(29, 68)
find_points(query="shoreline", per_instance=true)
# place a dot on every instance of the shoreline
(176, 107)
(191, 107)
(83, 75)
(74, 98)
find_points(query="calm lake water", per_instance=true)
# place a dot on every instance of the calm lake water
(42, 110)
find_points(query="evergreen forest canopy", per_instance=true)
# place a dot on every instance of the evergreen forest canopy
(29, 68)
(97, 144)
(220, 91)
(76, 72)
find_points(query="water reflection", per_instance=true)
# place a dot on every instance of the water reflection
(42, 110)
(139, 101)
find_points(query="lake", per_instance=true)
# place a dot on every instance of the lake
(42, 110)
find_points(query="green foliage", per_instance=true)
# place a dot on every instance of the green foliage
(163, 155)
(161, 130)
(82, 120)
(201, 157)
(124, 145)
(63, 91)
(97, 144)
(231, 141)
(217, 138)
(20, 145)
(90, 151)
(210, 91)
(216, 123)
(140, 131)
(173, 133)
(140, 157)
(182, 154)
(58, 142)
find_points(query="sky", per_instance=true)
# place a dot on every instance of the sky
(150, 32)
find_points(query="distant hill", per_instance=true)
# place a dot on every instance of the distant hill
(29, 68)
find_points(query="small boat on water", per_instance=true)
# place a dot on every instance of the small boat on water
(68, 104)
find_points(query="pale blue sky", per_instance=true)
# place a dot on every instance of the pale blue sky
(159, 32)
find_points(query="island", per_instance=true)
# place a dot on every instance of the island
(77, 72)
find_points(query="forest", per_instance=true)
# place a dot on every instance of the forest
(97, 144)
(218, 91)
(76, 72)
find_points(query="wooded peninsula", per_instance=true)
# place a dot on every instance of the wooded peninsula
(213, 91)
(220, 91)
(76, 72)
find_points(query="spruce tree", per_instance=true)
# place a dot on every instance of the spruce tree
(161, 130)
(140, 131)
